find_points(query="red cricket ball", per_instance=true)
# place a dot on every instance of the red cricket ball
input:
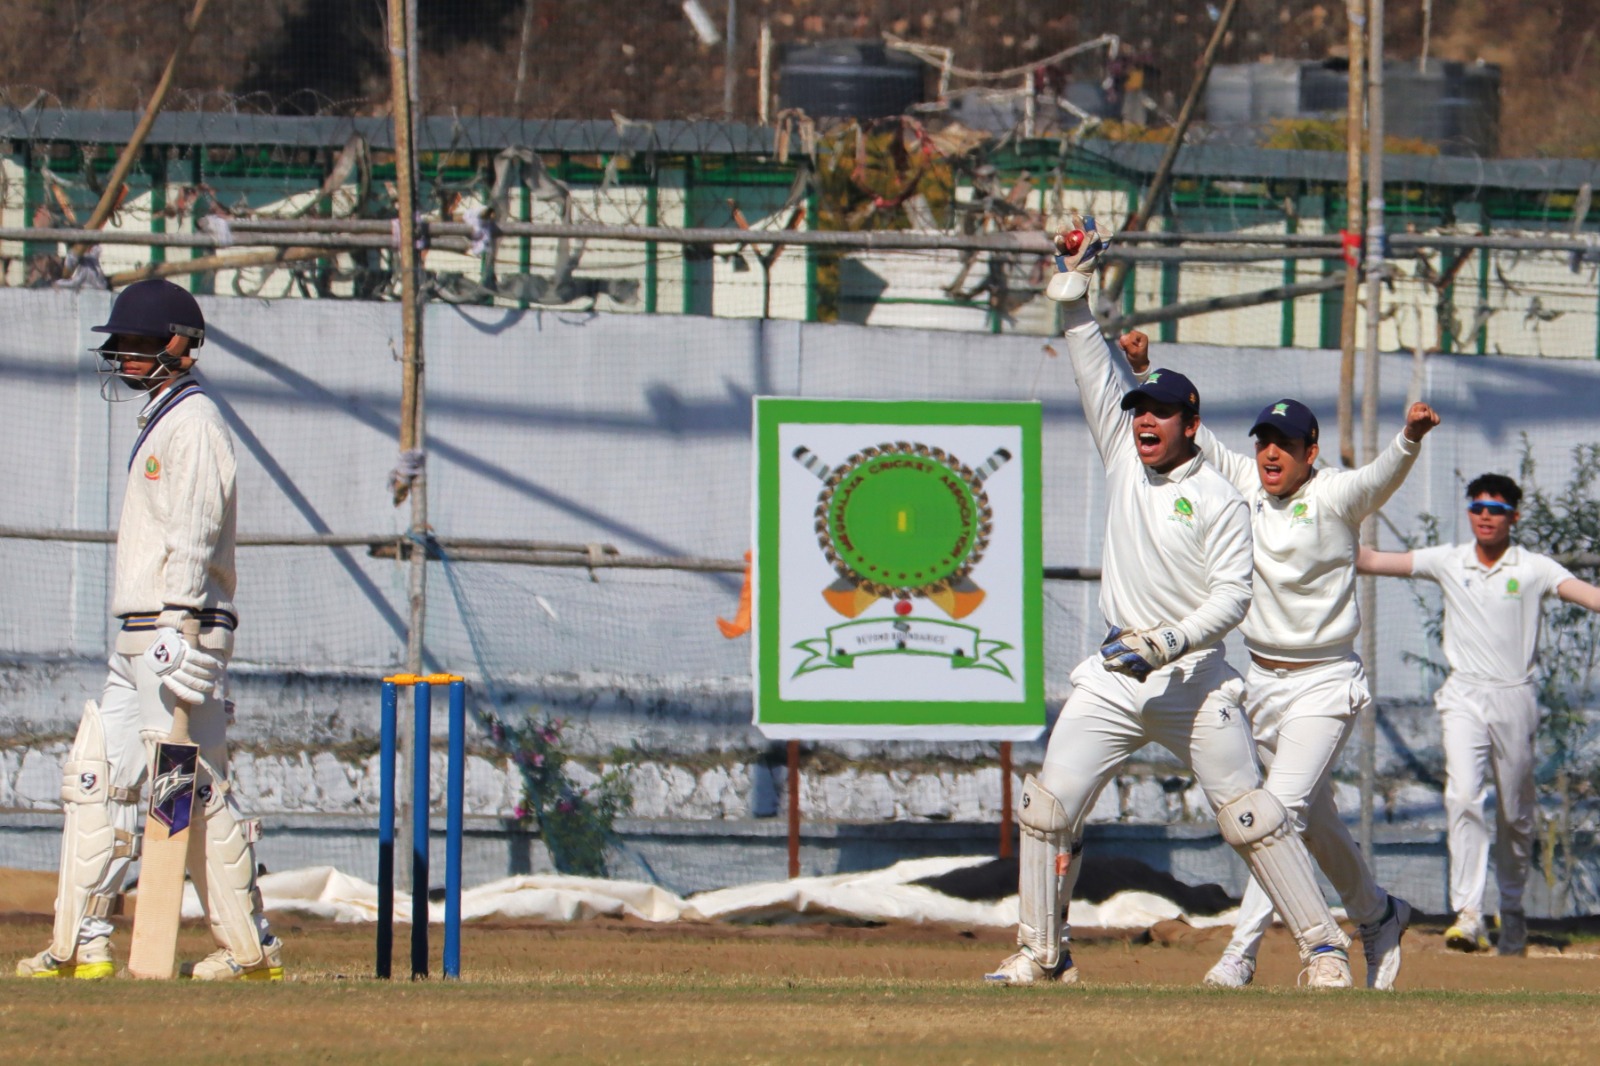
(902, 607)
(1069, 243)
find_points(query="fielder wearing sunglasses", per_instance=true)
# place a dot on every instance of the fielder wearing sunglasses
(1494, 593)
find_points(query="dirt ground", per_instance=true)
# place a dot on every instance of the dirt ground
(627, 991)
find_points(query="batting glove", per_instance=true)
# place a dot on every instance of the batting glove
(1139, 652)
(190, 673)
(1077, 257)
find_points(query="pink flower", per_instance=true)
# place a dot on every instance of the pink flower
(519, 812)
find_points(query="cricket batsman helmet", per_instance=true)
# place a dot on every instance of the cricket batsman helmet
(156, 308)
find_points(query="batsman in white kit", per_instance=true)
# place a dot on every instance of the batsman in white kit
(1306, 685)
(174, 575)
(1175, 579)
(1494, 593)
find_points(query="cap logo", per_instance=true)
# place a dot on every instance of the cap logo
(1281, 409)
(1153, 378)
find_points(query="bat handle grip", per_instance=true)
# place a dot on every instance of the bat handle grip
(190, 628)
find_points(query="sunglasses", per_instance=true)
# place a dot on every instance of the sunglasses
(1489, 507)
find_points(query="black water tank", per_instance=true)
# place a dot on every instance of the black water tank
(849, 79)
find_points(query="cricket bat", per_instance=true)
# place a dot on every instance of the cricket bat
(166, 846)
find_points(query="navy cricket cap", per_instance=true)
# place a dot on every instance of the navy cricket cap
(1291, 418)
(1165, 386)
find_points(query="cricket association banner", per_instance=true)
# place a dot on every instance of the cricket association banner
(897, 577)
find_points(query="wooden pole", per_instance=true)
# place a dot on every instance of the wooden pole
(764, 78)
(1368, 593)
(130, 151)
(794, 808)
(1005, 799)
(401, 45)
(209, 263)
(522, 56)
(1116, 274)
(1355, 14)
(1233, 301)
(730, 76)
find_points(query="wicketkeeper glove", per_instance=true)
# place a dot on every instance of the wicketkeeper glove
(190, 673)
(1077, 257)
(1137, 653)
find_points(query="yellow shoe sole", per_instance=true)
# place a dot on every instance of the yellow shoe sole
(1458, 939)
(271, 973)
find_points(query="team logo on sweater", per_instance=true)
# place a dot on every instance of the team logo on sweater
(152, 468)
(1300, 515)
(1182, 511)
(1513, 587)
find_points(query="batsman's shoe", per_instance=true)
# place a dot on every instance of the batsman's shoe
(220, 965)
(1381, 943)
(1231, 971)
(1468, 934)
(1513, 932)
(1078, 256)
(1327, 968)
(1022, 969)
(91, 963)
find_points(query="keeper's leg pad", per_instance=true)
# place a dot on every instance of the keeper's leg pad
(1257, 826)
(1043, 869)
(225, 875)
(98, 840)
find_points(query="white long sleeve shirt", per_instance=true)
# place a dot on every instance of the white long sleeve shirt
(1492, 614)
(175, 540)
(1305, 550)
(1177, 545)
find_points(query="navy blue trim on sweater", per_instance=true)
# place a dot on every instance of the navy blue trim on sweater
(166, 404)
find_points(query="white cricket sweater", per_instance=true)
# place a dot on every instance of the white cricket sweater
(1305, 557)
(1177, 545)
(175, 540)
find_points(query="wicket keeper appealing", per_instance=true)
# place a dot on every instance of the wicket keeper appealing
(1306, 685)
(1175, 578)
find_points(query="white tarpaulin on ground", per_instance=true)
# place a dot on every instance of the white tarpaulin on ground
(876, 896)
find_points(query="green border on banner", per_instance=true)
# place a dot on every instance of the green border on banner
(901, 716)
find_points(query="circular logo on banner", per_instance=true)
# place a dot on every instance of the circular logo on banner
(906, 519)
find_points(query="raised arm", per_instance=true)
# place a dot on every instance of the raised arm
(1102, 380)
(1383, 564)
(1368, 488)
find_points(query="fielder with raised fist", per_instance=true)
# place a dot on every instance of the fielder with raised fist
(1306, 685)
(1175, 579)
(174, 572)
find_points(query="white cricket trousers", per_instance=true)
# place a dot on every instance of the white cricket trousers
(1192, 708)
(136, 712)
(1301, 720)
(1488, 731)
